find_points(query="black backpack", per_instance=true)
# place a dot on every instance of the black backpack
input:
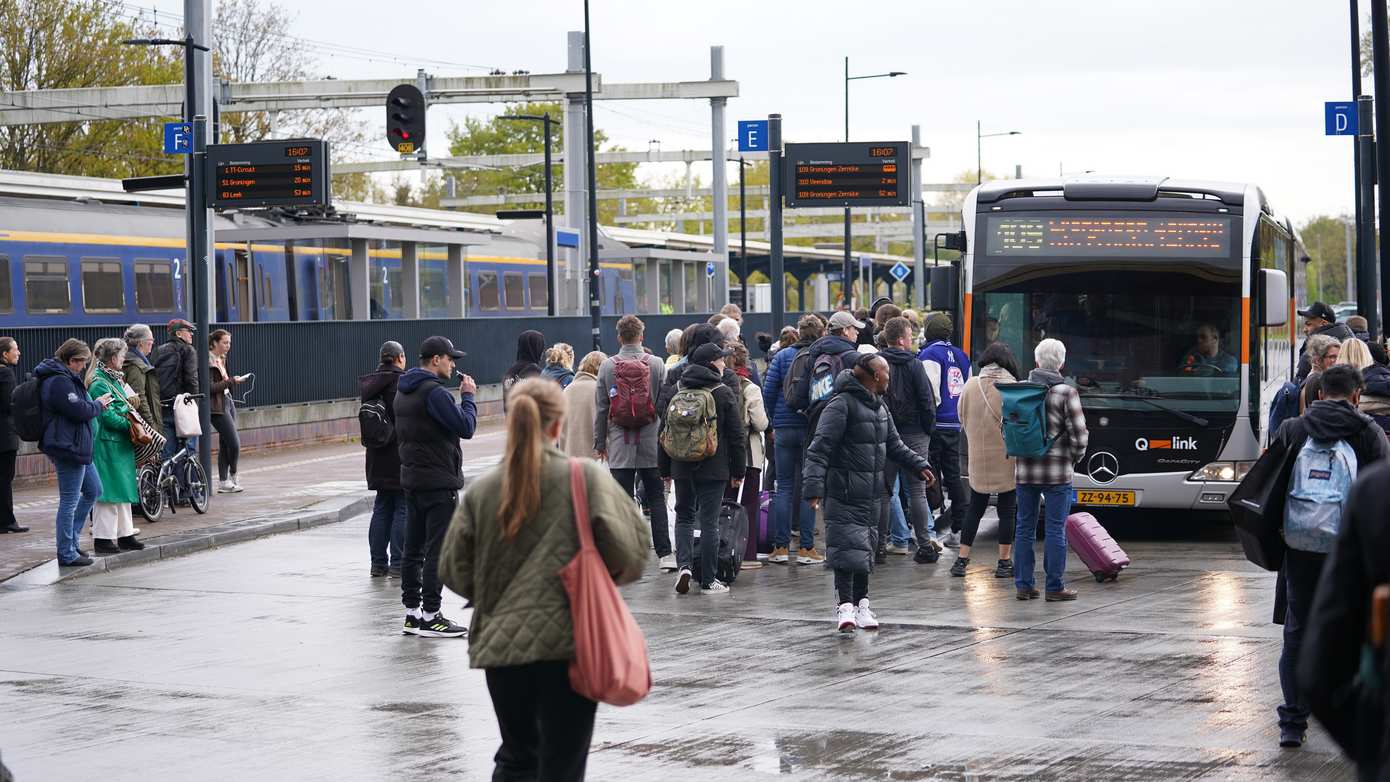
(27, 409)
(795, 377)
(378, 426)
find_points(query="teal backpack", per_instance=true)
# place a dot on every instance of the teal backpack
(1025, 419)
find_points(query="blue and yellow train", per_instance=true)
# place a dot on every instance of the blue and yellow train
(95, 264)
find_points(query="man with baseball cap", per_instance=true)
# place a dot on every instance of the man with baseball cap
(176, 365)
(1319, 319)
(428, 428)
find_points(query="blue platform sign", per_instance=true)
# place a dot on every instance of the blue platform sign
(752, 135)
(900, 271)
(178, 138)
(565, 237)
(709, 269)
(1339, 118)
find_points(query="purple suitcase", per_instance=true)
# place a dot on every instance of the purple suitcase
(1100, 553)
(764, 527)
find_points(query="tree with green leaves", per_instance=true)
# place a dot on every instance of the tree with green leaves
(57, 44)
(1325, 238)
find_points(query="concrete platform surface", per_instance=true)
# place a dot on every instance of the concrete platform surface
(281, 659)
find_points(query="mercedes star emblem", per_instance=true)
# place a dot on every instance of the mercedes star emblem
(1103, 467)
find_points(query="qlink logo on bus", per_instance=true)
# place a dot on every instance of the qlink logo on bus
(1171, 444)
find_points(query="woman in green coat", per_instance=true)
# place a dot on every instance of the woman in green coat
(113, 528)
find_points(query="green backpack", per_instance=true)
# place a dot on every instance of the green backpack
(691, 433)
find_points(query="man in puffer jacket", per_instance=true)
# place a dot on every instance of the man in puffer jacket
(855, 437)
(1375, 400)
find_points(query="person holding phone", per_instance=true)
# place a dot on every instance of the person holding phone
(224, 410)
(68, 442)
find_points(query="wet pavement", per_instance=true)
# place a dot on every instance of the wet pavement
(281, 659)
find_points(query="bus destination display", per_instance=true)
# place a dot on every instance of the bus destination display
(269, 173)
(848, 174)
(1109, 236)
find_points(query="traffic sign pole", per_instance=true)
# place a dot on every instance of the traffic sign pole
(1366, 207)
(774, 222)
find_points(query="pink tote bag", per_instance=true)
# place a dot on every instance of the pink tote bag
(610, 653)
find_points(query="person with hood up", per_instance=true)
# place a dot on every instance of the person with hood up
(428, 428)
(1319, 319)
(845, 463)
(68, 441)
(691, 339)
(789, 428)
(1375, 400)
(1332, 417)
(699, 485)
(530, 352)
(910, 401)
(386, 532)
(559, 364)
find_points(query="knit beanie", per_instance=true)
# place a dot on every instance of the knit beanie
(938, 328)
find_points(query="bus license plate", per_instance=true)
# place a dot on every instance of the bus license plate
(1099, 497)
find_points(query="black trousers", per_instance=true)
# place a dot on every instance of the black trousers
(427, 515)
(851, 587)
(228, 444)
(945, 457)
(546, 726)
(1008, 515)
(654, 496)
(7, 460)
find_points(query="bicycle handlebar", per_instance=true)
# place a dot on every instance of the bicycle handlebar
(170, 400)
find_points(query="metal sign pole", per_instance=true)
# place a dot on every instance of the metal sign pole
(774, 221)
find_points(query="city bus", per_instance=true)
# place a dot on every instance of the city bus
(1173, 299)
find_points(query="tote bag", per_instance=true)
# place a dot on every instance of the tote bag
(610, 653)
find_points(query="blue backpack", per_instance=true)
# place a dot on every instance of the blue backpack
(1318, 486)
(1025, 419)
(1283, 407)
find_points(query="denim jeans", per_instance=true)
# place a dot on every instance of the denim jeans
(171, 437)
(789, 447)
(79, 486)
(698, 502)
(1302, 569)
(1058, 504)
(387, 530)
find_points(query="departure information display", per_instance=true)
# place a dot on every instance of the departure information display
(848, 174)
(1100, 235)
(269, 173)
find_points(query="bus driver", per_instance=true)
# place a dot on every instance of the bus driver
(1207, 358)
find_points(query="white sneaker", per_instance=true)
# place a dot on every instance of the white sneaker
(894, 548)
(683, 581)
(844, 617)
(668, 563)
(226, 487)
(864, 616)
(950, 540)
(714, 588)
(237, 483)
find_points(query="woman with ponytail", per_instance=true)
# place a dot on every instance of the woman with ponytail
(506, 545)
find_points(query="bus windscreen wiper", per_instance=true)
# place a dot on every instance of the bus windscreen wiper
(1184, 415)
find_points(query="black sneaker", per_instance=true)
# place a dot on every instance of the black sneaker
(104, 546)
(1004, 569)
(411, 626)
(440, 627)
(79, 562)
(129, 543)
(880, 557)
(926, 555)
(378, 571)
(1292, 738)
(393, 571)
(958, 567)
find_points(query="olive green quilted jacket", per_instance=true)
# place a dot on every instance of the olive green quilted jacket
(520, 609)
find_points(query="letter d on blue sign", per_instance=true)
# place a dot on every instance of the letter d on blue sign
(1339, 118)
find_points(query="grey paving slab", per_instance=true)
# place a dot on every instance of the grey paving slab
(279, 658)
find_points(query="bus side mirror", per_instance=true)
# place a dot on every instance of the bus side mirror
(1274, 297)
(945, 283)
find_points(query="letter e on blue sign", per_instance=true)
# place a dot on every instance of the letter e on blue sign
(752, 135)
(1339, 118)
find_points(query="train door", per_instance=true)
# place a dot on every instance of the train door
(242, 286)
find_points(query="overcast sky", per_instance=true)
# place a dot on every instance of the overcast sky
(1210, 89)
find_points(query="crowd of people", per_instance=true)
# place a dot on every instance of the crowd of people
(90, 409)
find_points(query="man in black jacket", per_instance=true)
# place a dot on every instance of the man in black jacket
(1330, 662)
(700, 485)
(386, 533)
(855, 437)
(842, 337)
(913, 407)
(176, 365)
(1318, 319)
(10, 377)
(428, 428)
(1333, 417)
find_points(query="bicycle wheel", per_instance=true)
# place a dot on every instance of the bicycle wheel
(196, 482)
(151, 493)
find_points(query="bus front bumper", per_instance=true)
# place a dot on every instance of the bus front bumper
(1171, 490)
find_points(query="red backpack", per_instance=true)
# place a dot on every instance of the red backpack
(630, 405)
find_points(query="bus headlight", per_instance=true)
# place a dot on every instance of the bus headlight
(1222, 471)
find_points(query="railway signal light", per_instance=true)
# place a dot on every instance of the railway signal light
(405, 119)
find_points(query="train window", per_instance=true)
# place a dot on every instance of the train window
(102, 287)
(46, 284)
(6, 295)
(488, 300)
(434, 291)
(154, 286)
(268, 299)
(540, 291)
(515, 290)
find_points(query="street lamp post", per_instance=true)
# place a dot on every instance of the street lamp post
(594, 282)
(743, 229)
(545, 121)
(979, 166)
(848, 271)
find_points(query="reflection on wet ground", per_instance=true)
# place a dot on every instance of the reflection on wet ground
(280, 659)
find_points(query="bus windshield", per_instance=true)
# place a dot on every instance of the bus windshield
(1133, 332)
